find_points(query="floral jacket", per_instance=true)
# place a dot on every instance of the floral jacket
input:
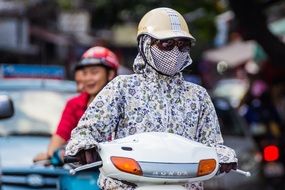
(148, 101)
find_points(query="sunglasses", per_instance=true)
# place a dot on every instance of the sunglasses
(167, 45)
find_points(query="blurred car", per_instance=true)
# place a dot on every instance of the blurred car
(232, 89)
(38, 106)
(237, 136)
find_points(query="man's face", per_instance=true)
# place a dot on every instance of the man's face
(96, 77)
(79, 79)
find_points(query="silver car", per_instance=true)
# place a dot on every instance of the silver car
(38, 105)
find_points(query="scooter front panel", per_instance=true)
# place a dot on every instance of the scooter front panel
(169, 170)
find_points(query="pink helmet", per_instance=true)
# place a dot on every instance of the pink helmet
(99, 56)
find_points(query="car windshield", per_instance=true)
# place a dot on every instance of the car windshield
(38, 105)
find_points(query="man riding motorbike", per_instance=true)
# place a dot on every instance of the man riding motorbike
(155, 98)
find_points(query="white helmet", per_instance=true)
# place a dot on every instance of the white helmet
(164, 23)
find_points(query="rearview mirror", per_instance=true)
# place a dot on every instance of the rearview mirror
(6, 107)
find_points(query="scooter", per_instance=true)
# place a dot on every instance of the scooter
(155, 161)
(86, 180)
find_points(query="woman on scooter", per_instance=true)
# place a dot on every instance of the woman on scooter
(97, 67)
(155, 98)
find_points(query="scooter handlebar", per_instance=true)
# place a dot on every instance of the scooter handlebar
(245, 173)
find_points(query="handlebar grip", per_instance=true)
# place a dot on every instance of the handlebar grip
(70, 159)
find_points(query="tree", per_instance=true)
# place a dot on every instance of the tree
(253, 25)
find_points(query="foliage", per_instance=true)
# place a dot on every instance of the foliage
(106, 13)
(65, 4)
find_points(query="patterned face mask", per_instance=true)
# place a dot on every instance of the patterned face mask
(168, 62)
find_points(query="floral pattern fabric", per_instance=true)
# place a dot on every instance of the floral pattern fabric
(144, 102)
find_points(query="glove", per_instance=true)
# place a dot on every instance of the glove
(87, 156)
(227, 167)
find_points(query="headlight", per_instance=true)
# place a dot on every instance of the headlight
(35, 180)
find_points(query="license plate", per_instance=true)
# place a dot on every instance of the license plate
(273, 169)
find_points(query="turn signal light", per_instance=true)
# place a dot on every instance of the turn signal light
(127, 165)
(271, 153)
(206, 167)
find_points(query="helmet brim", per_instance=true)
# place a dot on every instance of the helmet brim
(163, 35)
(89, 62)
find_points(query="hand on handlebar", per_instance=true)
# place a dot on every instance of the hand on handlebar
(56, 159)
(227, 167)
(42, 158)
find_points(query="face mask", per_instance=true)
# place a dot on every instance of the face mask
(168, 62)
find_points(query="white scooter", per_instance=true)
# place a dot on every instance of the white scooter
(156, 161)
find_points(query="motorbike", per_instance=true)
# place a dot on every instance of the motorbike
(86, 180)
(155, 160)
